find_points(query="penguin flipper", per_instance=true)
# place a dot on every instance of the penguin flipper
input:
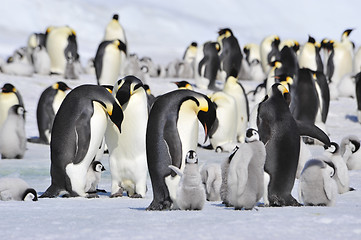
(82, 130)
(172, 136)
(313, 131)
(200, 65)
(176, 170)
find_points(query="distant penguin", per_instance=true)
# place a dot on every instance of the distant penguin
(224, 171)
(93, 177)
(191, 194)
(290, 66)
(317, 186)
(269, 51)
(114, 30)
(230, 55)
(172, 131)
(358, 95)
(246, 174)
(12, 134)
(224, 133)
(108, 61)
(207, 65)
(351, 152)
(61, 44)
(310, 56)
(190, 53)
(341, 176)
(127, 150)
(77, 134)
(48, 105)
(9, 96)
(183, 85)
(280, 133)
(253, 58)
(151, 98)
(41, 60)
(212, 180)
(236, 90)
(16, 189)
(271, 76)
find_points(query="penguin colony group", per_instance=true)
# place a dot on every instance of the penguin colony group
(157, 136)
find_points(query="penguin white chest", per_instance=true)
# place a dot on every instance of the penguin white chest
(7, 100)
(58, 99)
(111, 66)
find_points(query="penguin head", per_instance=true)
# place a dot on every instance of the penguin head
(61, 86)
(279, 89)
(17, 110)
(116, 17)
(206, 115)
(191, 157)
(120, 45)
(8, 88)
(30, 194)
(311, 39)
(98, 166)
(115, 112)
(333, 148)
(194, 44)
(184, 85)
(252, 135)
(285, 80)
(225, 33)
(147, 89)
(124, 88)
(346, 33)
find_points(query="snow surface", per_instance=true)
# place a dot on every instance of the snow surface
(162, 30)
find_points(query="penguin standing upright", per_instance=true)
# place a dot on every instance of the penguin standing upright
(269, 51)
(230, 55)
(61, 45)
(108, 61)
(235, 89)
(127, 152)
(207, 65)
(12, 134)
(114, 30)
(172, 131)
(280, 133)
(9, 97)
(16, 189)
(253, 58)
(48, 105)
(310, 56)
(93, 176)
(190, 53)
(77, 134)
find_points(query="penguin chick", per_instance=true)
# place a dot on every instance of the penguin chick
(350, 151)
(12, 134)
(246, 173)
(93, 176)
(212, 180)
(317, 186)
(16, 189)
(190, 192)
(341, 172)
(224, 171)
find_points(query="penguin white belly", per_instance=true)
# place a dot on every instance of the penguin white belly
(77, 172)
(7, 100)
(41, 61)
(342, 61)
(58, 99)
(110, 67)
(55, 46)
(307, 58)
(12, 137)
(114, 31)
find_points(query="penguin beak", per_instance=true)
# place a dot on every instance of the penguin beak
(103, 168)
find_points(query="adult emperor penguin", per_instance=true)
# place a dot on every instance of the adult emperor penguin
(246, 174)
(280, 133)
(78, 131)
(269, 51)
(317, 186)
(9, 97)
(12, 134)
(114, 30)
(172, 131)
(253, 58)
(16, 189)
(235, 89)
(351, 152)
(207, 65)
(212, 179)
(310, 56)
(108, 61)
(93, 176)
(127, 151)
(48, 105)
(230, 54)
(190, 53)
(61, 45)
(191, 194)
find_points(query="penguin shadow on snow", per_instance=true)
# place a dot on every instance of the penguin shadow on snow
(352, 118)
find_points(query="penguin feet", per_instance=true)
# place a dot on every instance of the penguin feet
(119, 193)
(92, 195)
(136, 195)
(159, 206)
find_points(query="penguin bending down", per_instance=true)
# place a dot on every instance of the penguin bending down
(9, 97)
(172, 131)
(16, 189)
(108, 61)
(127, 151)
(212, 179)
(317, 186)
(280, 133)
(77, 133)
(12, 134)
(350, 151)
(48, 105)
(191, 194)
(93, 177)
(246, 174)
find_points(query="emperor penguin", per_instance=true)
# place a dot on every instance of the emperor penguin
(317, 186)
(280, 132)
(290, 66)
(41, 60)
(358, 95)
(269, 51)
(224, 133)
(235, 89)
(310, 56)
(77, 134)
(253, 58)
(9, 97)
(48, 105)
(207, 64)
(212, 179)
(18, 64)
(184, 85)
(190, 53)
(341, 176)
(93, 177)
(127, 150)
(191, 194)
(114, 30)
(224, 172)
(172, 131)
(230, 55)
(350, 152)
(12, 134)
(108, 61)
(61, 45)
(246, 174)
(16, 189)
